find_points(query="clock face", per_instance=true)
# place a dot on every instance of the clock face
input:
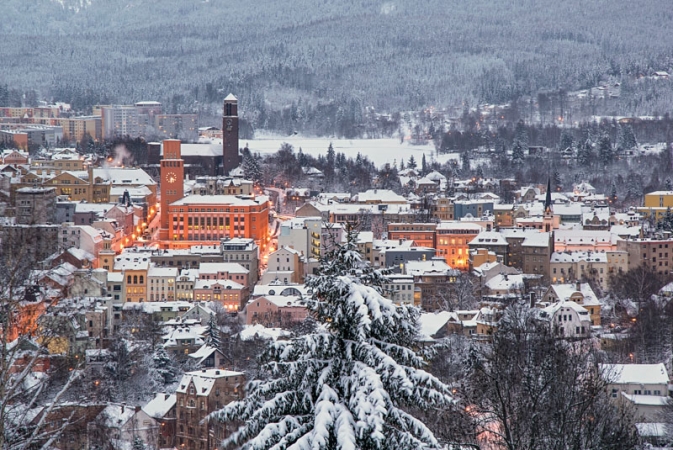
(229, 122)
(171, 177)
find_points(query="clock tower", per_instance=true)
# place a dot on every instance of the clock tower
(171, 183)
(230, 157)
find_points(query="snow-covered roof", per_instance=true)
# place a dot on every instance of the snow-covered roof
(420, 268)
(160, 405)
(116, 415)
(656, 429)
(233, 200)
(646, 400)
(566, 290)
(379, 195)
(154, 271)
(571, 257)
(636, 373)
(555, 307)
(505, 282)
(204, 380)
(225, 284)
(536, 240)
(283, 301)
(215, 267)
(202, 353)
(488, 238)
(430, 323)
(251, 331)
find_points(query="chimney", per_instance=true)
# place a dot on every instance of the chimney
(578, 287)
(123, 407)
(137, 409)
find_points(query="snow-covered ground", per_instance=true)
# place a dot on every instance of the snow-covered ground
(380, 151)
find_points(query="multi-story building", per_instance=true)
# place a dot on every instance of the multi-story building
(303, 234)
(161, 282)
(200, 393)
(423, 234)
(655, 254)
(400, 289)
(492, 241)
(286, 265)
(225, 271)
(35, 205)
(452, 242)
(276, 311)
(120, 121)
(242, 251)
(135, 268)
(229, 294)
(656, 203)
(215, 217)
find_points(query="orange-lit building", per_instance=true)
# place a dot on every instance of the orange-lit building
(206, 218)
(423, 234)
(452, 242)
(172, 184)
(213, 217)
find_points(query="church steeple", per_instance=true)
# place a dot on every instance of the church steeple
(547, 200)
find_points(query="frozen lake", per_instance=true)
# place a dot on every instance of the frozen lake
(380, 151)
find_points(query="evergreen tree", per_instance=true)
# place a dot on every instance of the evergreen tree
(465, 162)
(567, 141)
(518, 153)
(626, 138)
(585, 154)
(613, 192)
(520, 134)
(558, 183)
(412, 162)
(250, 166)
(138, 443)
(163, 365)
(344, 386)
(424, 165)
(668, 184)
(212, 335)
(605, 152)
(402, 164)
(331, 164)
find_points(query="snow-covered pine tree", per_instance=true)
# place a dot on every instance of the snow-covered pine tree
(138, 443)
(164, 365)
(342, 387)
(424, 165)
(518, 153)
(212, 334)
(412, 162)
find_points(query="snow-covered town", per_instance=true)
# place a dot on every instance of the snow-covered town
(213, 296)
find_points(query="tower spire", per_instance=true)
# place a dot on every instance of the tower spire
(547, 200)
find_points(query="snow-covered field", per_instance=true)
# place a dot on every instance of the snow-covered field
(380, 151)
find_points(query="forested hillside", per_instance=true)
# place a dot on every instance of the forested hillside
(347, 54)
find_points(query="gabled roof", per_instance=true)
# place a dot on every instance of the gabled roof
(635, 373)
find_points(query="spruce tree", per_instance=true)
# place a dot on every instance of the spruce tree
(518, 153)
(424, 166)
(212, 335)
(164, 365)
(343, 386)
(412, 162)
(605, 152)
(138, 443)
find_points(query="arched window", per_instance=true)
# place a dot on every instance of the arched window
(142, 279)
(128, 279)
(135, 279)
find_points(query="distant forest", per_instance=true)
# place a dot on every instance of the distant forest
(322, 67)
